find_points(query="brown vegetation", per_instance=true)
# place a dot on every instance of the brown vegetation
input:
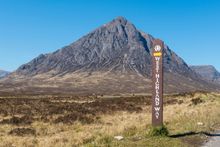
(94, 121)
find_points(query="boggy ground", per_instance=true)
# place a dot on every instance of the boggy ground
(24, 111)
(95, 120)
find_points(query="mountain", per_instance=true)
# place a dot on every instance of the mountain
(115, 58)
(3, 73)
(116, 46)
(208, 72)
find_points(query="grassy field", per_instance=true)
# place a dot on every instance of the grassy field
(94, 121)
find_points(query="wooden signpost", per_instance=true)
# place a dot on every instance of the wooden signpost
(157, 79)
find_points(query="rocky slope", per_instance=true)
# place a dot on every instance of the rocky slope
(114, 58)
(3, 73)
(208, 72)
(116, 46)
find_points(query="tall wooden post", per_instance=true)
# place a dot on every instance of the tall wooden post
(157, 79)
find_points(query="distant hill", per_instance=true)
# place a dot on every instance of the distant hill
(115, 58)
(208, 72)
(3, 73)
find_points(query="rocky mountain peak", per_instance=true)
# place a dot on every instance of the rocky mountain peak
(208, 72)
(120, 20)
(113, 57)
(117, 46)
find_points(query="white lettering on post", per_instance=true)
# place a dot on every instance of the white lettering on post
(157, 87)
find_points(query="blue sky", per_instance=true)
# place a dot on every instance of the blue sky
(30, 27)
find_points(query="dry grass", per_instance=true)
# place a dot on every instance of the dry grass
(179, 118)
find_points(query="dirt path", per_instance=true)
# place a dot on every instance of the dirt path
(214, 140)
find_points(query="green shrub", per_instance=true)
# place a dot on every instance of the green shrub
(158, 131)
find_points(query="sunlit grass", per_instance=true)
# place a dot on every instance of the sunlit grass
(134, 127)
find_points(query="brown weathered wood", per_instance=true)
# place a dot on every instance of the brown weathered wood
(157, 83)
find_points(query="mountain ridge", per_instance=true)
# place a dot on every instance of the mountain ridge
(3, 73)
(132, 40)
(113, 58)
(208, 72)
